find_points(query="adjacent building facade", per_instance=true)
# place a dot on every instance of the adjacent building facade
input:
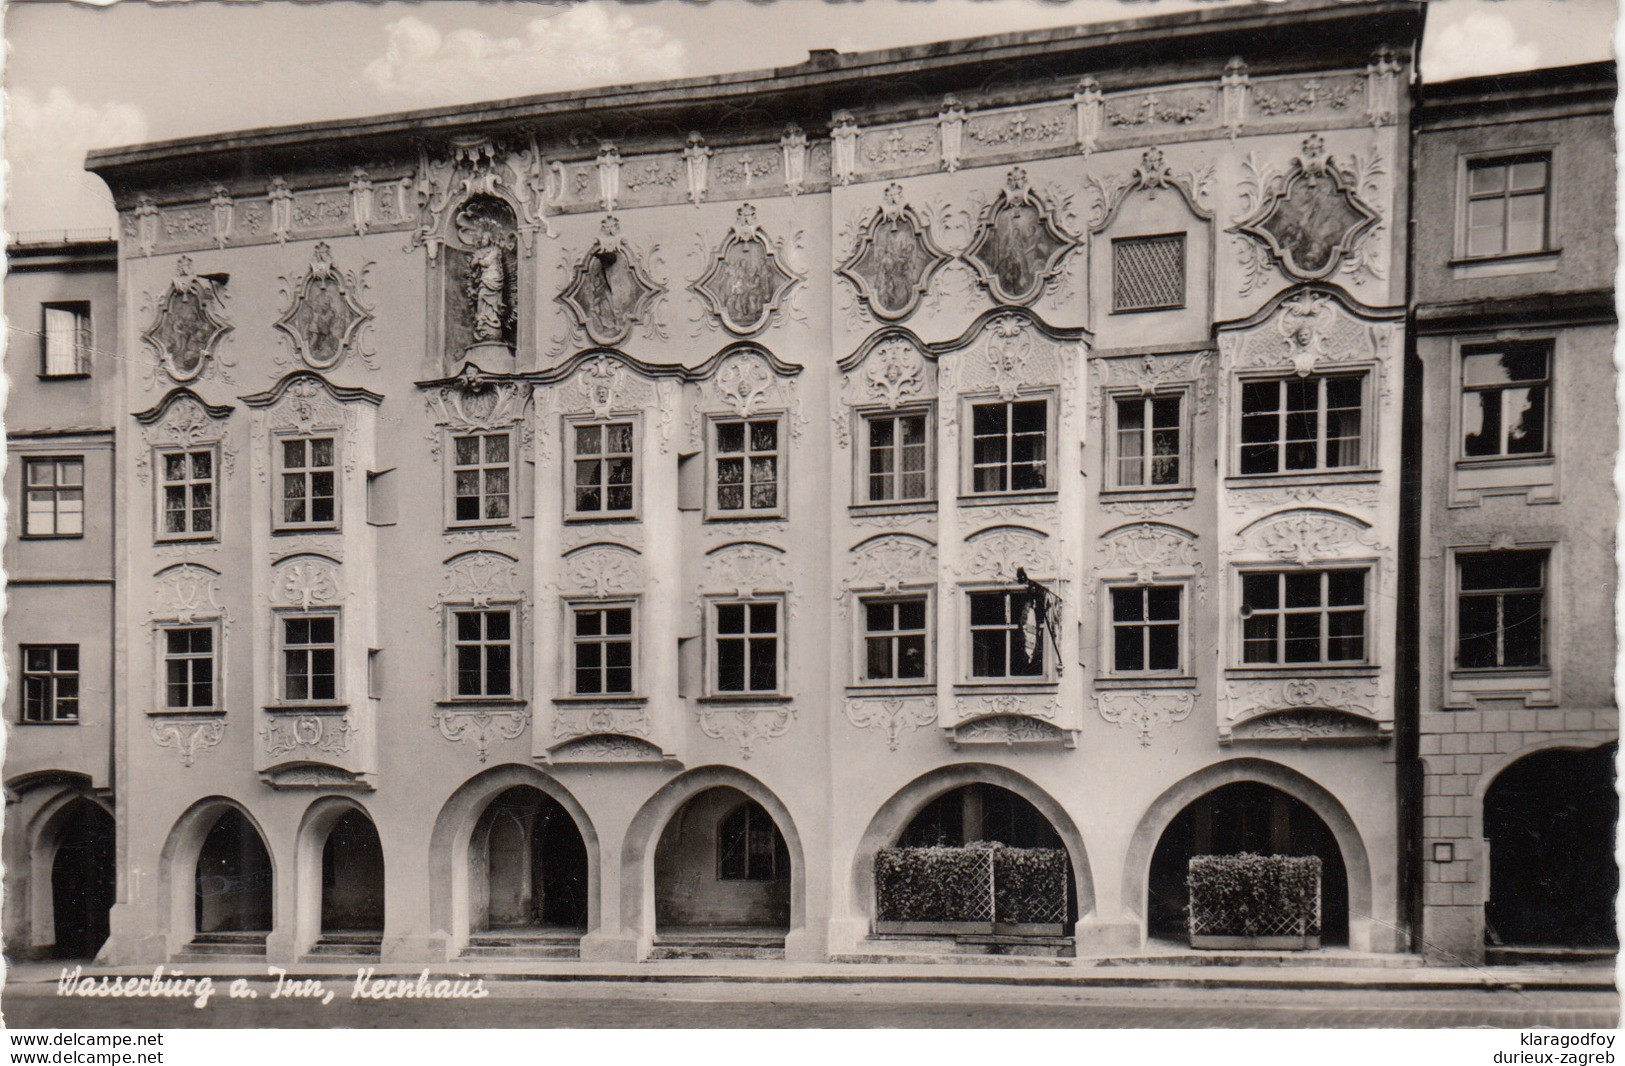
(640, 530)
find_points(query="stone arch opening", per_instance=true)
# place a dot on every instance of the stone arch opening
(352, 880)
(177, 884)
(1243, 816)
(233, 885)
(83, 886)
(528, 866)
(1549, 822)
(722, 866)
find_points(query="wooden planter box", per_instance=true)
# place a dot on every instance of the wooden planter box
(1209, 942)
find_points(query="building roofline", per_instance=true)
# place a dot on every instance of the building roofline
(824, 73)
(1544, 88)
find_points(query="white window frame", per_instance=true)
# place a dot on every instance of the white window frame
(1109, 627)
(967, 458)
(279, 521)
(635, 456)
(1368, 416)
(569, 641)
(163, 485)
(968, 630)
(51, 677)
(1370, 631)
(1113, 471)
(453, 673)
(866, 418)
(1466, 163)
(713, 687)
(452, 468)
(82, 341)
(279, 637)
(713, 512)
(216, 659)
(57, 491)
(862, 633)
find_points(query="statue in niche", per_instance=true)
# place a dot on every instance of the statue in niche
(488, 232)
(487, 285)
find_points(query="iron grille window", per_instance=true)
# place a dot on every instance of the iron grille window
(55, 504)
(1303, 616)
(1501, 609)
(1507, 204)
(188, 487)
(1148, 273)
(1503, 400)
(1009, 446)
(189, 668)
(50, 682)
(603, 468)
(747, 466)
(310, 659)
(481, 473)
(1302, 423)
(899, 458)
(1145, 628)
(1000, 646)
(747, 647)
(483, 647)
(894, 639)
(309, 482)
(750, 846)
(1148, 441)
(603, 651)
(67, 340)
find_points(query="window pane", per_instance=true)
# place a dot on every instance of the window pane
(911, 614)
(764, 436)
(467, 449)
(1303, 589)
(1164, 642)
(321, 451)
(879, 617)
(731, 618)
(1162, 603)
(911, 657)
(1129, 651)
(1476, 632)
(589, 440)
(496, 448)
(1486, 177)
(730, 436)
(293, 454)
(1128, 605)
(764, 618)
(988, 653)
(1521, 642)
(1302, 638)
(1345, 588)
(764, 665)
(731, 665)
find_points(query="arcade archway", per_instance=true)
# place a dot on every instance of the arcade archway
(232, 895)
(82, 880)
(527, 866)
(722, 867)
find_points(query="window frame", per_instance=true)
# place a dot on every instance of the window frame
(1468, 161)
(1112, 459)
(279, 637)
(714, 513)
(574, 514)
(452, 467)
(162, 484)
(865, 417)
(1109, 627)
(569, 642)
(861, 634)
(712, 659)
(1369, 633)
(748, 807)
(1368, 419)
(968, 675)
(967, 457)
(1468, 347)
(56, 489)
(278, 522)
(1458, 593)
(216, 657)
(51, 676)
(84, 349)
(514, 642)
(1184, 272)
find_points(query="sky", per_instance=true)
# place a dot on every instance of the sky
(82, 75)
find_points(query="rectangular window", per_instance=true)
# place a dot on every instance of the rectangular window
(188, 493)
(189, 679)
(50, 682)
(309, 482)
(894, 639)
(1503, 400)
(1001, 644)
(747, 647)
(603, 469)
(1507, 204)
(481, 474)
(1148, 442)
(67, 340)
(1145, 628)
(310, 659)
(482, 644)
(1303, 616)
(55, 491)
(899, 457)
(1301, 423)
(603, 651)
(1501, 610)
(1009, 446)
(1148, 273)
(747, 467)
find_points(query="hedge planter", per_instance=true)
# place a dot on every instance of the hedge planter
(1254, 902)
(978, 889)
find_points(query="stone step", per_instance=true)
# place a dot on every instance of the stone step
(1319, 957)
(1518, 956)
(521, 951)
(714, 951)
(1039, 949)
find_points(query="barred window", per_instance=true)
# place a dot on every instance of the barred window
(67, 340)
(189, 680)
(1148, 273)
(481, 474)
(50, 683)
(483, 647)
(1500, 613)
(603, 468)
(188, 488)
(1303, 616)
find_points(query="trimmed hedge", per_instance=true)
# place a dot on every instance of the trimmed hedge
(1029, 884)
(951, 884)
(1254, 895)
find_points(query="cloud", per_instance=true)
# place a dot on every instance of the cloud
(1484, 42)
(583, 45)
(47, 136)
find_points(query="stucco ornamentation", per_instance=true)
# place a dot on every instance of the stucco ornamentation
(1007, 729)
(313, 776)
(1247, 500)
(1310, 331)
(1234, 90)
(576, 721)
(480, 578)
(510, 171)
(843, 135)
(894, 260)
(1149, 373)
(223, 213)
(602, 570)
(891, 715)
(895, 373)
(306, 581)
(1361, 697)
(1306, 537)
(1007, 704)
(995, 554)
(1144, 510)
(745, 727)
(1312, 219)
(746, 568)
(1019, 244)
(182, 420)
(890, 562)
(744, 385)
(1009, 356)
(746, 283)
(606, 748)
(326, 734)
(190, 322)
(187, 593)
(484, 726)
(609, 291)
(1089, 110)
(1154, 174)
(1148, 551)
(305, 402)
(1306, 725)
(324, 318)
(697, 161)
(186, 735)
(476, 403)
(1143, 710)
